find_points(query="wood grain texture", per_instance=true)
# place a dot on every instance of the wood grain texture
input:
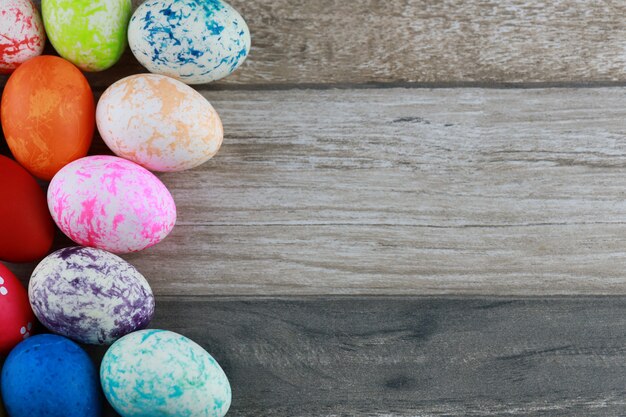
(402, 191)
(412, 356)
(425, 41)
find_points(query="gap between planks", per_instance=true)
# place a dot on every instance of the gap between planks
(208, 88)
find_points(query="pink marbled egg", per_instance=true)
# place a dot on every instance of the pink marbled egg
(111, 203)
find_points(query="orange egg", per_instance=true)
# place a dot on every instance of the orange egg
(48, 115)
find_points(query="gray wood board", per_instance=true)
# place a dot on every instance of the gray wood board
(412, 356)
(402, 191)
(425, 41)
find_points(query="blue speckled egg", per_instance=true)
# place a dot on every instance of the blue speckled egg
(90, 295)
(157, 373)
(194, 41)
(49, 375)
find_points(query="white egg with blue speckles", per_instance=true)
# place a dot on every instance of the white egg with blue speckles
(194, 41)
(161, 373)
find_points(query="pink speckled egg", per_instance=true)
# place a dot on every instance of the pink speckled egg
(111, 203)
(22, 35)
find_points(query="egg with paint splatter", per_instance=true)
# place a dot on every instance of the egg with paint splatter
(49, 375)
(158, 372)
(26, 228)
(111, 203)
(159, 123)
(16, 316)
(89, 33)
(195, 41)
(90, 295)
(22, 34)
(48, 115)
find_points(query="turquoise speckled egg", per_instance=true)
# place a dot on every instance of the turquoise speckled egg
(158, 373)
(194, 41)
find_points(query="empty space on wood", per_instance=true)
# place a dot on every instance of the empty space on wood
(411, 356)
(402, 191)
(302, 42)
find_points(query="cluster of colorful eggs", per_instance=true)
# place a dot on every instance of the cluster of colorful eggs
(108, 205)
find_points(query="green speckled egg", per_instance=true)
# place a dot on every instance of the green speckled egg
(89, 33)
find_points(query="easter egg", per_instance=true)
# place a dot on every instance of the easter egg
(90, 295)
(195, 41)
(22, 34)
(111, 203)
(26, 228)
(16, 317)
(161, 373)
(159, 123)
(89, 33)
(49, 375)
(48, 115)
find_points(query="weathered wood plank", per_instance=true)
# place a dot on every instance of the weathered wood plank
(412, 357)
(402, 191)
(425, 41)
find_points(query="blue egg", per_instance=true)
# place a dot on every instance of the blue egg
(194, 41)
(49, 375)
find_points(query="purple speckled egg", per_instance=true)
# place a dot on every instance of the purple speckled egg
(90, 295)
(110, 203)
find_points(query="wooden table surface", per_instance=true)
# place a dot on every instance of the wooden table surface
(419, 210)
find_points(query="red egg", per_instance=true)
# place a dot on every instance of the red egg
(26, 227)
(16, 317)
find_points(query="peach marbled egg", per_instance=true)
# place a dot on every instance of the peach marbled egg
(111, 203)
(159, 123)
